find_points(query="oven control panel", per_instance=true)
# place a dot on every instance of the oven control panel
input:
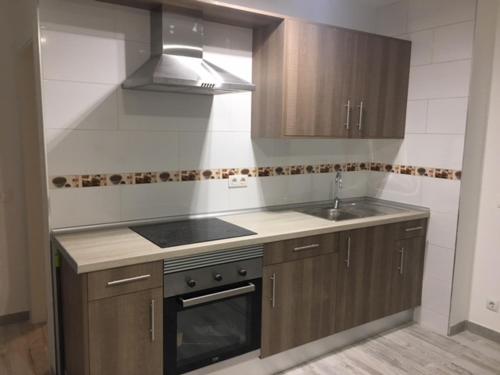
(213, 276)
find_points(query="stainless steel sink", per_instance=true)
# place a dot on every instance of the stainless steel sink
(351, 210)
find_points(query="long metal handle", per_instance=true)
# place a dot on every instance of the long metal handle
(273, 295)
(348, 107)
(307, 247)
(129, 280)
(413, 229)
(348, 260)
(401, 261)
(152, 329)
(218, 295)
(361, 113)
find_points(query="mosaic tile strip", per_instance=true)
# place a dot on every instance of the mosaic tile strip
(139, 178)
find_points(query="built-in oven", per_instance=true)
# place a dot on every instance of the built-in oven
(212, 308)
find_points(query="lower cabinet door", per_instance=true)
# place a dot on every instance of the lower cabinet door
(126, 334)
(408, 271)
(298, 303)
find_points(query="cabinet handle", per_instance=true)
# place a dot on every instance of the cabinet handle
(348, 107)
(401, 261)
(307, 247)
(348, 260)
(273, 296)
(361, 114)
(129, 280)
(413, 229)
(152, 329)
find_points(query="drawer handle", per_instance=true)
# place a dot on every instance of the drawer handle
(307, 247)
(129, 280)
(413, 229)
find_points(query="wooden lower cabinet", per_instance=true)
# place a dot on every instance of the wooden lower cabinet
(125, 334)
(407, 275)
(298, 302)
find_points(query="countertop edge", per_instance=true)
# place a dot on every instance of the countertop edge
(159, 254)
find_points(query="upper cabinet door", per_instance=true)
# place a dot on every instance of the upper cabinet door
(318, 72)
(381, 79)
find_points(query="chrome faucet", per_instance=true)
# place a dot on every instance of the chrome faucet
(335, 190)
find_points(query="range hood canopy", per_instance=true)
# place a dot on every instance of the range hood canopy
(177, 63)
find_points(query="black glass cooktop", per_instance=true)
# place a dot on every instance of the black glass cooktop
(185, 232)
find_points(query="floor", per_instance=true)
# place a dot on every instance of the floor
(23, 350)
(410, 350)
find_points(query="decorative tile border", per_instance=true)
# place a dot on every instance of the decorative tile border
(138, 178)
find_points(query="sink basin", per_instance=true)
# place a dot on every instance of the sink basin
(349, 211)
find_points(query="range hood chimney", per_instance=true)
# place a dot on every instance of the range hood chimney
(177, 63)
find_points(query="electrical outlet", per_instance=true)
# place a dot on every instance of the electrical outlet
(238, 181)
(492, 305)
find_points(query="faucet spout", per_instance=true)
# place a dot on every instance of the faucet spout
(336, 189)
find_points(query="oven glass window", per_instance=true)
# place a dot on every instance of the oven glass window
(209, 330)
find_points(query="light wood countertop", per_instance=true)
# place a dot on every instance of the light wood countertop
(96, 250)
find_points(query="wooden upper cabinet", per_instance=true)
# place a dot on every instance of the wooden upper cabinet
(322, 81)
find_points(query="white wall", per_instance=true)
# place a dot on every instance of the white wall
(484, 49)
(486, 275)
(93, 126)
(14, 281)
(442, 33)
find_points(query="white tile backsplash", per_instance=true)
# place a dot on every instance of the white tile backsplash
(421, 48)
(416, 116)
(441, 195)
(75, 105)
(437, 81)
(447, 116)
(396, 187)
(443, 229)
(427, 14)
(436, 295)
(439, 263)
(453, 42)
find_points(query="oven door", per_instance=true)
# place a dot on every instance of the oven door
(212, 325)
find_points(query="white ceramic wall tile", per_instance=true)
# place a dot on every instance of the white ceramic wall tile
(73, 105)
(154, 200)
(206, 196)
(81, 152)
(439, 263)
(132, 24)
(157, 111)
(395, 187)
(453, 42)
(299, 188)
(392, 19)
(84, 58)
(303, 151)
(421, 48)
(442, 229)
(436, 295)
(146, 151)
(447, 116)
(441, 195)
(354, 184)
(249, 197)
(75, 207)
(385, 150)
(426, 14)
(436, 81)
(416, 116)
(77, 17)
(432, 320)
(439, 151)
(231, 112)
(322, 186)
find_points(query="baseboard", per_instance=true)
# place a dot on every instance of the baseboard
(457, 328)
(483, 332)
(14, 318)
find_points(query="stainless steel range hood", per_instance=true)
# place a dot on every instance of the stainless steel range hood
(177, 63)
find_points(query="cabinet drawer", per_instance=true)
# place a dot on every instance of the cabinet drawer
(299, 248)
(412, 229)
(117, 281)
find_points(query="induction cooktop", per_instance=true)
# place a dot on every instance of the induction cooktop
(186, 232)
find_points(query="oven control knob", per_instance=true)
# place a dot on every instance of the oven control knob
(191, 283)
(242, 272)
(218, 277)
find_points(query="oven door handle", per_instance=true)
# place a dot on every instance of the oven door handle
(217, 296)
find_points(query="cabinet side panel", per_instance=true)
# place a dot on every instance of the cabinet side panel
(75, 320)
(267, 100)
